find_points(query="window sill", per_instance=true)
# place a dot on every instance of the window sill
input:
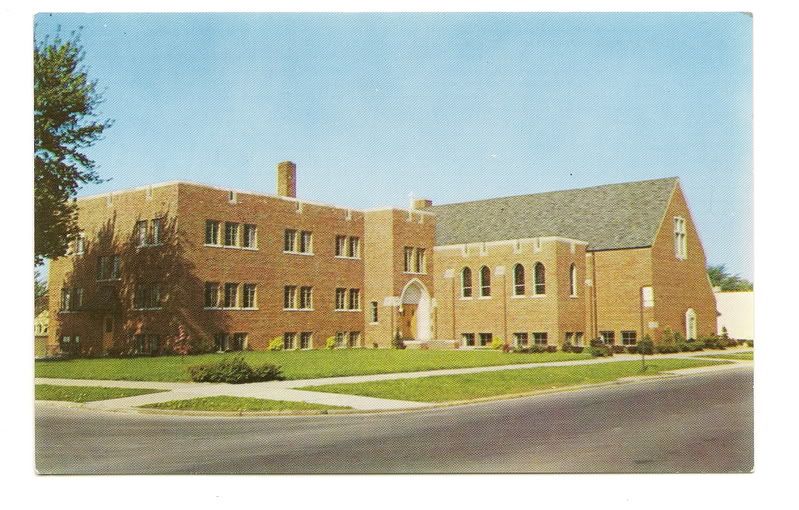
(538, 296)
(518, 296)
(347, 310)
(306, 253)
(484, 297)
(466, 298)
(573, 296)
(298, 309)
(154, 308)
(414, 272)
(374, 323)
(230, 247)
(241, 308)
(344, 257)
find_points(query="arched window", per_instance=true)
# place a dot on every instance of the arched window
(485, 281)
(690, 324)
(573, 280)
(518, 280)
(466, 282)
(540, 276)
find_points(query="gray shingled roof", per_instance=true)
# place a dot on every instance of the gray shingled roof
(613, 216)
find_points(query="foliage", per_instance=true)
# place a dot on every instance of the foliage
(276, 344)
(238, 404)
(644, 347)
(497, 343)
(720, 277)
(330, 343)
(618, 349)
(234, 371)
(713, 342)
(396, 342)
(65, 122)
(631, 349)
(600, 351)
(182, 343)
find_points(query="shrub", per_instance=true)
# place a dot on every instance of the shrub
(576, 349)
(566, 347)
(276, 344)
(667, 348)
(497, 343)
(536, 348)
(631, 349)
(234, 371)
(600, 351)
(551, 348)
(750, 343)
(618, 349)
(521, 350)
(645, 346)
(397, 342)
(713, 342)
(374, 345)
(330, 343)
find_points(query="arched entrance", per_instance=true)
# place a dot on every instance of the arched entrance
(414, 314)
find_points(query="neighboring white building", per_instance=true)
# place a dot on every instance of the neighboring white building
(737, 314)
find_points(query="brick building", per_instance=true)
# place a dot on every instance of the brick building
(231, 270)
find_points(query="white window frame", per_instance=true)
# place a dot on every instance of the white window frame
(680, 238)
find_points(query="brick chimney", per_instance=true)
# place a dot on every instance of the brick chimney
(287, 179)
(420, 203)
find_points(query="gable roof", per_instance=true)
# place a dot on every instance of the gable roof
(612, 216)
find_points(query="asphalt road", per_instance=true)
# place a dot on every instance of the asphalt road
(699, 423)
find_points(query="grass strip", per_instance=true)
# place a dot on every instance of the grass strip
(733, 355)
(86, 393)
(506, 382)
(235, 404)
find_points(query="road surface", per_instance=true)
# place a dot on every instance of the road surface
(697, 423)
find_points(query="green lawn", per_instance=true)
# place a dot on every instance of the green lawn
(505, 382)
(235, 404)
(295, 364)
(733, 355)
(86, 393)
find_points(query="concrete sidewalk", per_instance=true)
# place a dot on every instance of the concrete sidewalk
(287, 390)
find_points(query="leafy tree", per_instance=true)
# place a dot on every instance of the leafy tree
(65, 123)
(720, 277)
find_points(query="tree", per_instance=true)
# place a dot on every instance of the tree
(721, 278)
(65, 123)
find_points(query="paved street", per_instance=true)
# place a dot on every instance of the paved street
(696, 423)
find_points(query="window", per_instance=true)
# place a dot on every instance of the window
(290, 241)
(355, 339)
(408, 260)
(239, 342)
(540, 338)
(373, 312)
(155, 231)
(647, 297)
(147, 296)
(690, 324)
(231, 295)
(485, 339)
(341, 299)
(420, 265)
(115, 267)
(80, 244)
(680, 242)
(628, 338)
(520, 339)
(468, 339)
(211, 295)
(354, 248)
(355, 299)
(608, 337)
(485, 281)
(306, 242)
(578, 338)
(231, 234)
(306, 298)
(306, 340)
(249, 296)
(108, 267)
(341, 243)
(289, 341)
(66, 299)
(466, 282)
(290, 297)
(212, 232)
(146, 344)
(141, 233)
(540, 279)
(250, 236)
(232, 197)
(340, 337)
(568, 338)
(573, 281)
(220, 341)
(518, 280)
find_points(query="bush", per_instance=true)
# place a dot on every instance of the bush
(631, 349)
(618, 349)
(234, 371)
(566, 347)
(551, 348)
(576, 349)
(600, 351)
(330, 343)
(750, 343)
(276, 344)
(645, 346)
(397, 342)
(537, 348)
(497, 343)
(713, 342)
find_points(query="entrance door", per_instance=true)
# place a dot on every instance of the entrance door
(108, 332)
(408, 329)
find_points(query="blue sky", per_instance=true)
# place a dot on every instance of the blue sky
(451, 107)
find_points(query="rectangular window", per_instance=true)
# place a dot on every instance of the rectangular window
(231, 295)
(629, 338)
(77, 298)
(468, 339)
(306, 298)
(220, 341)
(306, 242)
(250, 236)
(290, 241)
(340, 339)
(540, 338)
(147, 296)
(578, 338)
(66, 299)
(211, 295)
(306, 340)
(355, 339)
(341, 243)
(155, 231)
(212, 232)
(231, 234)
(341, 299)
(80, 244)
(249, 296)
(290, 297)
(408, 260)
(680, 242)
(420, 262)
(116, 261)
(103, 268)
(373, 311)
(141, 233)
(239, 342)
(608, 337)
(568, 338)
(485, 339)
(355, 299)
(354, 248)
(520, 339)
(289, 341)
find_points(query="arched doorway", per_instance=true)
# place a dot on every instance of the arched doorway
(414, 316)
